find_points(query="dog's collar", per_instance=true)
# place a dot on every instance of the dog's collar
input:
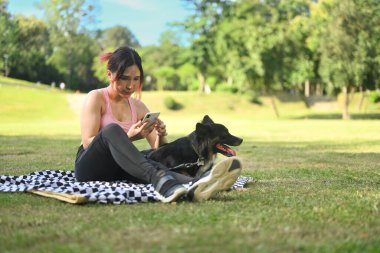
(194, 144)
(201, 161)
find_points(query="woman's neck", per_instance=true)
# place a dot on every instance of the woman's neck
(115, 96)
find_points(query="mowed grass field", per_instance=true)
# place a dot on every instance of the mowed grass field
(317, 189)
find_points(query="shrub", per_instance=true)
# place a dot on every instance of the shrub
(171, 104)
(194, 85)
(374, 97)
(254, 99)
(224, 87)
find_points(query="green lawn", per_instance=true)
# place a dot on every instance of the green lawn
(318, 187)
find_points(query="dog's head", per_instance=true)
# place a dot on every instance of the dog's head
(217, 136)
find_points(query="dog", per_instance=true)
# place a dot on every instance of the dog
(194, 154)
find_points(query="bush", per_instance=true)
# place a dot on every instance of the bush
(171, 104)
(224, 87)
(194, 85)
(254, 99)
(374, 97)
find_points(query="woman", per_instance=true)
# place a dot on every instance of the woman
(111, 121)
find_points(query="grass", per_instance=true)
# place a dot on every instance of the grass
(318, 187)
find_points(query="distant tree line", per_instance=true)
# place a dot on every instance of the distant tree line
(256, 46)
(59, 48)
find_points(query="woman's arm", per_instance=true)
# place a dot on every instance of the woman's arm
(90, 117)
(157, 138)
(157, 135)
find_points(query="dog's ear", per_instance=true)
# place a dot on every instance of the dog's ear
(207, 120)
(201, 129)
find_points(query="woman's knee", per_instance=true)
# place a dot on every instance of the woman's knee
(113, 133)
(111, 128)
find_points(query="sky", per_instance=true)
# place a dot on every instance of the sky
(146, 19)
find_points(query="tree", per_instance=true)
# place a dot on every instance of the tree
(202, 26)
(257, 48)
(117, 36)
(167, 78)
(161, 61)
(346, 46)
(370, 36)
(8, 39)
(33, 50)
(74, 49)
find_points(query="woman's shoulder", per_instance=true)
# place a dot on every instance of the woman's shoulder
(95, 97)
(96, 94)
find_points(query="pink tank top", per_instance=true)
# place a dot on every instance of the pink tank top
(108, 118)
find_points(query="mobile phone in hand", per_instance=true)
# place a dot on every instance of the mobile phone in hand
(151, 117)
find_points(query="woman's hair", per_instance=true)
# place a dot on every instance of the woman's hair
(120, 60)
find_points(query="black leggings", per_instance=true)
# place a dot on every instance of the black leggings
(112, 156)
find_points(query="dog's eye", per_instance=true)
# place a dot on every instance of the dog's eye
(224, 136)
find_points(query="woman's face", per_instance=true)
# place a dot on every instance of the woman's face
(128, 83)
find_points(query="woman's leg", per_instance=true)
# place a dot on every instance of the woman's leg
(112, 154)
(97, 164)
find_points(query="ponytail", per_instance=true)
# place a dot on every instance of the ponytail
(105, 57)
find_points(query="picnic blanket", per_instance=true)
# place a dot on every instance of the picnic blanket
(63, 186)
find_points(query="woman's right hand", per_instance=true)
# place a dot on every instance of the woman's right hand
(139, 131)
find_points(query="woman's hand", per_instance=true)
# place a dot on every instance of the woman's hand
(160, 128)
(161, 133)
(139, 131)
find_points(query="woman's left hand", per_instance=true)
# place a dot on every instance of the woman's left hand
(160, 128)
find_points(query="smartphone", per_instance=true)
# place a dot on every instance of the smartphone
(151, 117)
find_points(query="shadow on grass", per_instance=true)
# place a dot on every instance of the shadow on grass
(289, 98)
(335, 116)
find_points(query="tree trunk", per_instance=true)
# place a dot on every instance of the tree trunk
(202, 82)
(352, 93)
(346, 102)
(307, 88)
(70, 69)
(361, 98)
(318, 89)
(229, 81)
(274, 106)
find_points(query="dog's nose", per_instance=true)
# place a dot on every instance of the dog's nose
(234, 141)
(238, 141)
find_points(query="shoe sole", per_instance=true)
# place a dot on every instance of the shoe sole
(172, 198)
(222, 176)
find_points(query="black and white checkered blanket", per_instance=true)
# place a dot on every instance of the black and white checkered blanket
(59, 181)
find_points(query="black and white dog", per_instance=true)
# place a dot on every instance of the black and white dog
(194, 154)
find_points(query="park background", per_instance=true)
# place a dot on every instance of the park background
(298, 80)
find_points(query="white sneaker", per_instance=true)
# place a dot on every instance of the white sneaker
(173, 195)
(221, 177)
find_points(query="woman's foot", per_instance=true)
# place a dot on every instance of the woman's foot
(173, 194)
(168, 189)
(221, 177)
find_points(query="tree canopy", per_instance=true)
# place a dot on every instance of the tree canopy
(258, 46)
